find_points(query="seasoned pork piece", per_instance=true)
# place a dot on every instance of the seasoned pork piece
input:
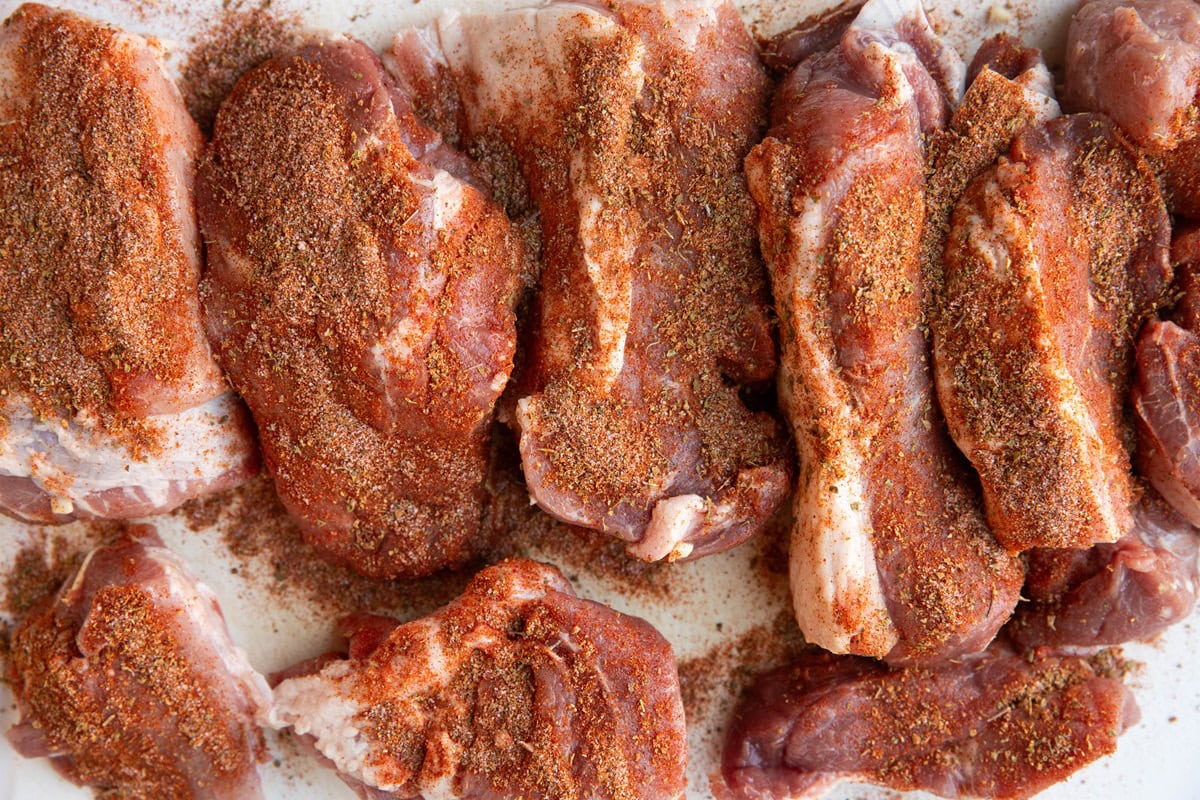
(360, 293)
(994, 725)
(1166, 390)
(128, 682)
(1055, 258)
(1112, 593)
(1009, 90)
(890, 554)
(1139, 62)
(624, 124)
(110, 402)
(516, 689)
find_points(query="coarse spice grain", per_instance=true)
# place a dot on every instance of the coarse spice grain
(240, 39)
(369, 336)
(97, 278)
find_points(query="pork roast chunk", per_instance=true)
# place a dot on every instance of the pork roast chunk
(995, 725)
(360, 293)
(1139, 62)
(1112, 593)
(624, 124)
(839, 183)
(127, 680)
(1054, 259)
(1166, 390)
(110, 402)
(516, 689)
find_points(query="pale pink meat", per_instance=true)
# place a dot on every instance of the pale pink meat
(651, 315)
(1139, 62)
(1112, 593)
(1166, 392)
(516, 689)
(890, 554)
(110, 402)
(127, 680)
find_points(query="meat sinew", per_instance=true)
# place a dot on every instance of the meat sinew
(1055, 258)
(1166, 390)
(890, 554)
(1112, 593)
(1139, 62)
(624, 124)
(360, 293)
(516, 689)
(994, 725)
(128, 682)
(110, 402)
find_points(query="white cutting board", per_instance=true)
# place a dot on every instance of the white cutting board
(1156, 759)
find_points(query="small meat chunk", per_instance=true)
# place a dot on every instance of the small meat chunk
(360, 293)
(1166, 392)
(993, 725)
(624, 125)
(1055, 258)
(516, 689)
(1139, 62)
(1113, 593)
(110, 402)
(127, 680)
(840, 186)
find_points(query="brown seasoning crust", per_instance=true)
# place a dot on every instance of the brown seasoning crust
(111, 733)
(948, 586)
(239, 41)
(94, 276)
(548, 696)
(323, 216)
(1112, 232)
(666, 166)
(1020, 724)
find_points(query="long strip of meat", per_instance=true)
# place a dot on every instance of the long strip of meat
(1166, 392)
(127, 680)
(624, 124)
(360, 294)
(995, 725)
(516, 689)
(1112, 593)
(1055, 258)
(890, 554)
(110, 402)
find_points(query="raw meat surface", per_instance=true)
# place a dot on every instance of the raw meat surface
(128, 682)
(516, 689)
(1112, 593)
(1055, 258)
(1139, 62)
(623, 126)
(110, 402)
(1166, 391)
(992, 725)
(840, 186)
(360, 294)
